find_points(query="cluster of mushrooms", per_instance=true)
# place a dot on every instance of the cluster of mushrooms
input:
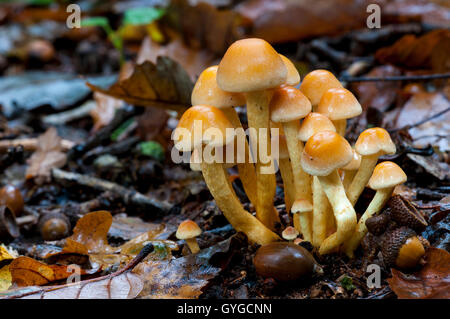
(323, 175)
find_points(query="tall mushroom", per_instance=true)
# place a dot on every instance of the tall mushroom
(207, 92)
(323, 154)
(385, 177)
(214, 173)
(339, 104)
(286, 171)
(253, 67)
(323, 218)
(371, 144)
(288, 106)
(316, 83)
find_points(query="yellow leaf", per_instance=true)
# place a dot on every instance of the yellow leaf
(5, 278)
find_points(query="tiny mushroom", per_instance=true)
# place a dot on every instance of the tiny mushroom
(253, 67)
(323, 154)
(371, 144)
(316, 83)
(385, 177)
(290, 233)
(215, 175)
(189, 230)
(339, 104)
(350, 169)
(288, 106)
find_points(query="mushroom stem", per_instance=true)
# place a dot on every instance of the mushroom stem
(368, 163)
(258, 115)
(226, 199)
(246, 170)
(322, 213)
(193, 245)
(341, 126)
(375, 206)
(302, 181)
(349, 175)
(288, 182)
(343, 211)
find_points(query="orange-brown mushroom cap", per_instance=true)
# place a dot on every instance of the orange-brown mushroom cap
(316, 83)
(202, 118)
(339, 104)
(188, 229)
(206, 91)
(251, 65)
(288, 104)
(375, 140)
(324, 152)
(314, 123)
(386, 175)
(354, 163)
(292, 78)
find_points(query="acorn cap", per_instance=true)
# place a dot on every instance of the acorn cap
(324, 152)
(292, 78)
(301, 206)
(386, 175)
(339, 104)
(188, 229)
(209, 117)
(375, 140)
(354, 163)
(316, 83)
(206, 91)
(405, 214)
(288, 104)
(402, 248)
(8, 225)
(290, 233)
(314, 123)
(250, 65)
(377, 225)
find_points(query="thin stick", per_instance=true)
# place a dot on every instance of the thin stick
(31, 144)
(396, 78)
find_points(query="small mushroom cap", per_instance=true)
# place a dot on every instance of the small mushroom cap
(354, 163)
(386, 175)
(196, 159)
(290, 233)
(204, 119)
(324, 152)
(206, 91)
(250, 65)
(288, 104)
(316, 83)
(188, 229)
(293, 78)
(339, 104)
(375, 140)
(314, 123)
(301, 206)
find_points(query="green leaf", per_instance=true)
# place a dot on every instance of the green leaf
(95, 22)
(139, 16)
(347, 283)
(152, 149)
(121, 129)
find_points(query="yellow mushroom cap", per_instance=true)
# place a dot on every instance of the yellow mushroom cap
(188, 229)
(206, 91)
(301, 206)
(288, 104)
(339, 104)
(209, 117)
(290, 233)
(250, 65)
(375, 140)
(314, 123)
(293, 78)
(316, 83)
(354, 163)
(324, 152)
(386, 175)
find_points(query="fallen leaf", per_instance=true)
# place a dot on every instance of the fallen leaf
(151, 123)
(164, 84)
(130, 227)
(104, 110)
(47, 156)
(431, 282)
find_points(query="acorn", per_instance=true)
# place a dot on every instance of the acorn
(402, 248)
(378, 224)
(405, 214)
(285, 261)
(11, 197)
(54, 226)
(8, 225)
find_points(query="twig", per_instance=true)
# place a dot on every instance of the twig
(128, 196)
(67, 116)
(31, 144)
(432, 117)
(396, 78)
(113, 149)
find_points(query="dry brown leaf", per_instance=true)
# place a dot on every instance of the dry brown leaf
(104, 110)
(431, 282)
(47, 156)
(164, 84)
